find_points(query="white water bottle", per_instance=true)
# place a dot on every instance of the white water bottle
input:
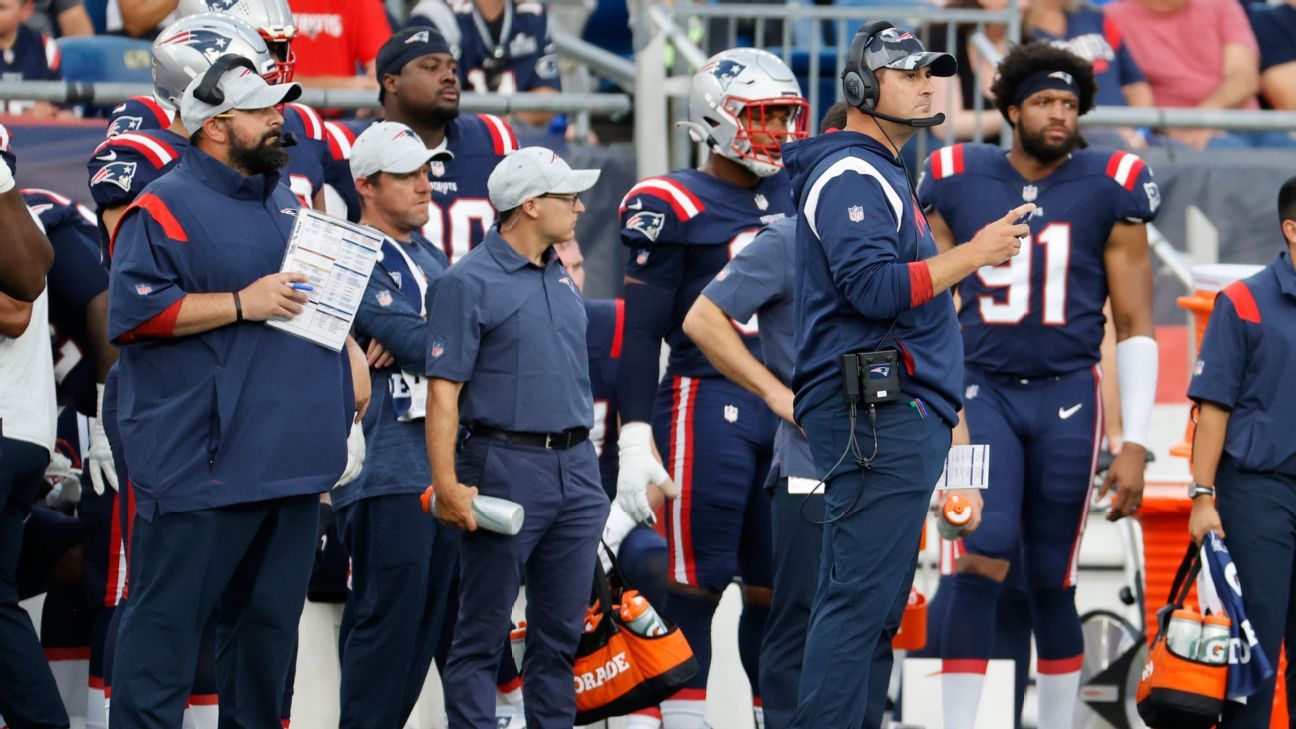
(492, 513)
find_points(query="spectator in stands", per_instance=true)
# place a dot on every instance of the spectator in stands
(26, 55)
(60, 18)
(1196, 54)
(139, 18)
(502, 46)
(1275, 30)
(955, 96)
(337, 42)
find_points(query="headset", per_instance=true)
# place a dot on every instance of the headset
(860, 85)
(209, 90)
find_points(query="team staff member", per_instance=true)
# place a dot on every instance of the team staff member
(232, 429)
(1243, 447)
(869, 279)
(506, 331)
(399, 578)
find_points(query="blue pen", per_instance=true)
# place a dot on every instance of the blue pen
(302, 287)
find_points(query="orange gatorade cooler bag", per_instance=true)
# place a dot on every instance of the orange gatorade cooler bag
(630, 656)
(1183, 683)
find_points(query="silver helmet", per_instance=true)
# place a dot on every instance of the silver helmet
(273, 19)
(189, 46)
(734, 105)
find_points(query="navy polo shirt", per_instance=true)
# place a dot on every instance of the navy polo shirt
(759, 281)
(392, 312)
(236, 414)
(514, 334)
(1245, 366)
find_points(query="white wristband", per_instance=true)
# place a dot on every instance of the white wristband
(6, 177)
(1136, 377)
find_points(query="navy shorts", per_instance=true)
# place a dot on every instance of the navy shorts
(1044, 436)
(716, 440)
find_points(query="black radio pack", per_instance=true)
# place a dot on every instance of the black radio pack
(872, 378)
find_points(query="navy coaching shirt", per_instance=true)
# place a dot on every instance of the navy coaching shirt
(1245, 366)
(236, 414)
(760, 281)
(514, 334)
(862, 244)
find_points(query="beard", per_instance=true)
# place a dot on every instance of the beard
(264, 156)
(1037, 147)
(440, 115)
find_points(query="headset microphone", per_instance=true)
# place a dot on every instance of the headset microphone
(289, 139)
(922, 122)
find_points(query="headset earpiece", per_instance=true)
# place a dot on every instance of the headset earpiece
(209, 91)
(859, 83)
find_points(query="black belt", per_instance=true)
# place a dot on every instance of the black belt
(551, 441)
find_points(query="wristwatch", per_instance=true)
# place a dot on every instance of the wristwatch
(1195, 489)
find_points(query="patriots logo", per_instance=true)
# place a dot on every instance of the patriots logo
(438, 167)
(570, 284)
(289, 211)
(143, 289)
(1153, 195)
(403, 134)
(880, 371)
(217, 6)
(384, 298)
(123, 124)
(437, 349)
(120, 174)
(648, 223)
(727, 71)
(419, 37)
(207, 42)
(396, 276)
(1064, 77)
(895, 35)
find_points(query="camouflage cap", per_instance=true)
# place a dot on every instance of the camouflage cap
(901, 50)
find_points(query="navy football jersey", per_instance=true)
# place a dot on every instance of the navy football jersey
(33, 57)
(603, 335)
(137, 114)
(682, 228)
(515, 53)
(460, 210)
(304, 173)
(75, 280)
(123, 165)
(1042, 312)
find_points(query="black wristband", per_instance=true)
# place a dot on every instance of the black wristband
(238, 308)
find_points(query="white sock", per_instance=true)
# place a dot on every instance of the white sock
(758, 712)
(512, 696)
(71, 674)
(1058, 683)
(96, 708)
(961, 683)
(685, 710)
(205, 715)
(645, 719)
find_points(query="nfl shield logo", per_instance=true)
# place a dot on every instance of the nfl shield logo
(437, 350)
(384, 298)
(1029, 193)
(731, 413)
(143, 289)
(642, 258)
(438, 167)
(761, 202)
(855, 213)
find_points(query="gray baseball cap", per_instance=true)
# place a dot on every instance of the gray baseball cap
(901, 50)
(243, 89)
(388, 147)
(532, 172)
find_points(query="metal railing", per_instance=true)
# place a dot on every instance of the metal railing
(69, 92)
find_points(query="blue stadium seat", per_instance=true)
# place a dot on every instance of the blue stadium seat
(106, 58)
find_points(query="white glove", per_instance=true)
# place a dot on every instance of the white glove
(355, 456)
(6, 177)
(618, 526)
(637, 469)
(66, 482)
(99, 457)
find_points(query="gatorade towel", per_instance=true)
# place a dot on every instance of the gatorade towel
(1220, 590)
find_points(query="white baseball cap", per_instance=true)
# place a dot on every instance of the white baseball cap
(242, 89)
(534, 171)
(388, 147)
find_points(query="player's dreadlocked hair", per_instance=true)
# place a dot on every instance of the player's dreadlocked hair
(1029, 58)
